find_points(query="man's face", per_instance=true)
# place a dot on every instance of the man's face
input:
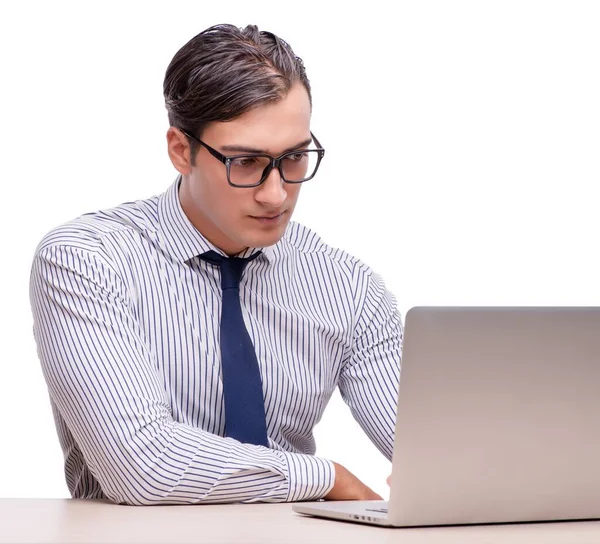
(235, 218)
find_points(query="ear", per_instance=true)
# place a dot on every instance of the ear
(179, 150)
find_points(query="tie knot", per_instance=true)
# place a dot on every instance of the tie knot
(232, 268)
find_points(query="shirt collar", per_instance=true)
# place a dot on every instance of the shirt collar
(183, 240)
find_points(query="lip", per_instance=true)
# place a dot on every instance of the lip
(269, 219)
(267, 216)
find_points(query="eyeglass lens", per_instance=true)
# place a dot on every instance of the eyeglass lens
(297, 166)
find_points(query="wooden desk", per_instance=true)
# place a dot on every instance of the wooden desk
(51, 521)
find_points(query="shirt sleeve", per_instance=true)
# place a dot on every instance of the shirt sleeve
(370, 378)
(102, 378)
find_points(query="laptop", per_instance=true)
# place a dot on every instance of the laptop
(498, 420)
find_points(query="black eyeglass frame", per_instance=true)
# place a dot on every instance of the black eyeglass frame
(274, 162)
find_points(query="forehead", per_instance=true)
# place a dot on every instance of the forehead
(272, 127)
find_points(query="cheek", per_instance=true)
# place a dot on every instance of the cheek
(211, 190)
(221, 201)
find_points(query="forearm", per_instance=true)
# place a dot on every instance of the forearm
(171, 463)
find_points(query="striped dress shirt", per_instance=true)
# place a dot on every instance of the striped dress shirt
(126, 320)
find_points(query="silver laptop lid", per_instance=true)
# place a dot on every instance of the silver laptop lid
(498, 416)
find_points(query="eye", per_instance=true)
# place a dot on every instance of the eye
(244, 162)
(296, 157)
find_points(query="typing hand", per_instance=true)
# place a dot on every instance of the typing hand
(348, 487)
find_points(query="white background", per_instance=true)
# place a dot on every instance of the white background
(462, 159)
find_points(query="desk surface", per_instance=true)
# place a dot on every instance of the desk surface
(52, 521)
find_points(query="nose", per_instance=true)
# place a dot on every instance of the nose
(272, 192)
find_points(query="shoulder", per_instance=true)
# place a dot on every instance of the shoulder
(302, 243)
(90, 232)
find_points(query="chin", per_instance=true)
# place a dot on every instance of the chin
(265, 239)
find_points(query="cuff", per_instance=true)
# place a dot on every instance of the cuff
(309, 477)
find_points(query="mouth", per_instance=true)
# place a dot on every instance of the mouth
(269, 219)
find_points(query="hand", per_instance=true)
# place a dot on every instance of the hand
(348, 487)
(389, 479)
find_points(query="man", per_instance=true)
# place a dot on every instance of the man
(191, 341)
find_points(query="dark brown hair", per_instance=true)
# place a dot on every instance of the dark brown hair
(225, 71)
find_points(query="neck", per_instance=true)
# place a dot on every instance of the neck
(205, 226)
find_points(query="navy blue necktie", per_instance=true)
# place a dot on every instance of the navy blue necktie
(242, 385)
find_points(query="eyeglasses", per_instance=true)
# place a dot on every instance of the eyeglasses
(251, 170)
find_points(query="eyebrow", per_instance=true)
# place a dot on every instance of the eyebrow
(248, 149)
